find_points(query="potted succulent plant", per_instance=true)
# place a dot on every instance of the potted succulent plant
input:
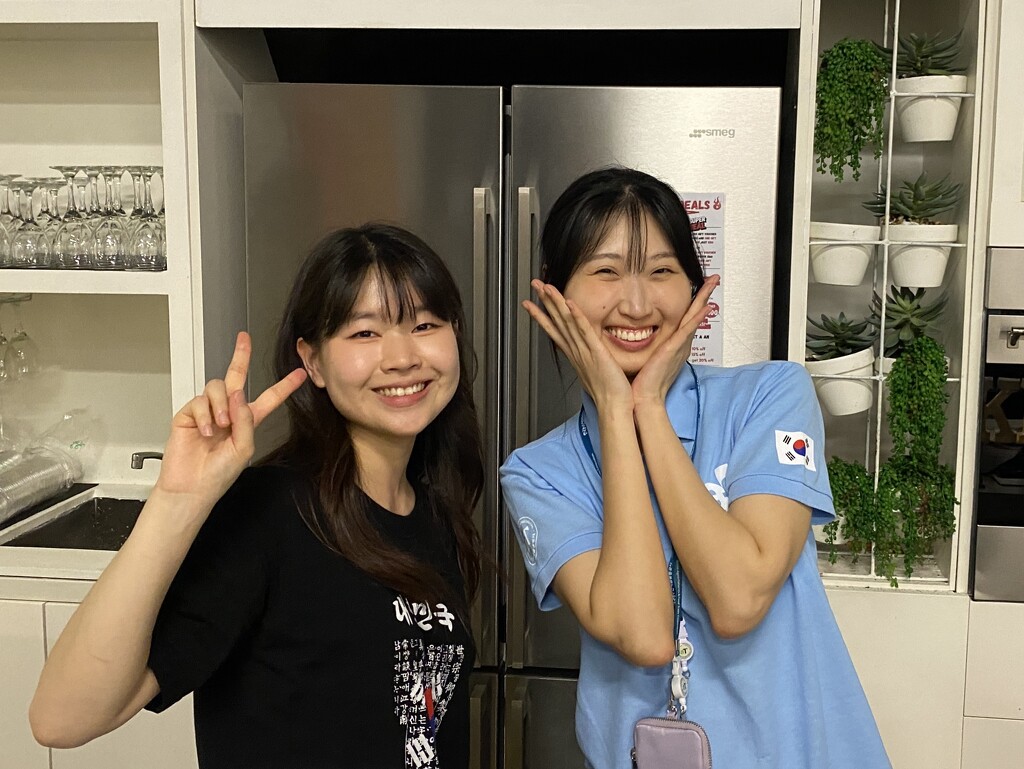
(842, 348)
(926, 65)
(850, 100)
(907, 317)
(912, 208)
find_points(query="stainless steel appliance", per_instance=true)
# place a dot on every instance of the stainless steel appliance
(474, 171)
(999, 535)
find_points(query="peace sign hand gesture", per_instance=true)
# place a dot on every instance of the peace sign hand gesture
(211, 439)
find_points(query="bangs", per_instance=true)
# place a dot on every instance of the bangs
(630, 210)
(405, 282)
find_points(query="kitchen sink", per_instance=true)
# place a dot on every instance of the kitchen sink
(98, 523)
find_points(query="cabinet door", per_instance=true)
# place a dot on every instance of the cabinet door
(21, 660)
(910, 652)
(992, 743)
(995, 667)
(164, 741)
(1006, 225)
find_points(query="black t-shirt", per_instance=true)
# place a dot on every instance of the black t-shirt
(301, 661)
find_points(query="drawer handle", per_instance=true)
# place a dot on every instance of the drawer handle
(1013, 337)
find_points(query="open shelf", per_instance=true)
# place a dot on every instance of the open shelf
(84, 282)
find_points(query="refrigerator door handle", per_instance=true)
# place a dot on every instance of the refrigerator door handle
(526, 229)
(483, 216)
(515, 722)
(483, 213)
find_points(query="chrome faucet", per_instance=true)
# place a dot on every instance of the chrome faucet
(141, 456)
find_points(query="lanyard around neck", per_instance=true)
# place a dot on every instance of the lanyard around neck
(684, 647)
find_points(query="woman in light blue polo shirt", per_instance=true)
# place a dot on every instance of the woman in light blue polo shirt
(722, 467)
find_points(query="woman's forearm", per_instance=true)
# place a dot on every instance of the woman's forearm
(721, 557)
(100, 660)
(630, 593)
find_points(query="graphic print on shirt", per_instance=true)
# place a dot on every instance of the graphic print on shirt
(425, 679)
(718, 489)
(795, 448)
(528, 530)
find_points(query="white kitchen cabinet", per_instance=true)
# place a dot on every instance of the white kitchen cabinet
(101, 83)
(153, 741)
(910, 653)
(995, 665)
(22, 650)
(1006, 220)
(496, 14)
(992, 743)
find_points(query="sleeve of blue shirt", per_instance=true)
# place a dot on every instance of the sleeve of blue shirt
(779, 446)
(551, 516)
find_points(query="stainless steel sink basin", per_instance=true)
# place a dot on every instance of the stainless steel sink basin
(98, 523)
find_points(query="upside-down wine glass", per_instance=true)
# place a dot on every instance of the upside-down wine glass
(30, 247)
(73, 245)
(21, 359)
(147, 247)
(110, 239)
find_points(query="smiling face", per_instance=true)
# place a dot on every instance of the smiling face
(388, 376)
(633, 305)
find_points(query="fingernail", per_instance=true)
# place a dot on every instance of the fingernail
(223, 419)
(206, 430)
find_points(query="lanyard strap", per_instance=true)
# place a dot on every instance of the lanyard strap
(684, 647)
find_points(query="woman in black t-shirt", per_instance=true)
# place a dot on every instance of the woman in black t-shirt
(316, 604)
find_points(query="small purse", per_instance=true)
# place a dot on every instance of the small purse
(672, 742)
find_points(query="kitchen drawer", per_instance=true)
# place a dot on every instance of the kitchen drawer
(1005, 283)
(995, 666)
(1005, 341)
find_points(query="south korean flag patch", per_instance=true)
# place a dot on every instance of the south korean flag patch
(795, 448)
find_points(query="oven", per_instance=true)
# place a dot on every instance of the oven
(998, 573)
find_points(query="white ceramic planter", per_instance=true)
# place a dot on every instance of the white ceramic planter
(843, 264)
(929, 118)
(922, 264)
(844, 396)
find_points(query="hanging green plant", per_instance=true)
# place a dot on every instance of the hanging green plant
(913, 484)
(853, 498)
(913, 505)
(852, 93)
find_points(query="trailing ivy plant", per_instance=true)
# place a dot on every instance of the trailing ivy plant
(853, 497)
(913, 484)
(913, 504)
(850, 102)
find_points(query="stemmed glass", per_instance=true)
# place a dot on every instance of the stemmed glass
(8, 222)
(110, 239)
(49, 216)
(73, 243)
(147, 246)
(21, 358)
(30, 247)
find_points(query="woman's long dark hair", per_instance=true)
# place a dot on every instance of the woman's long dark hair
(587, 209)
(447, 459)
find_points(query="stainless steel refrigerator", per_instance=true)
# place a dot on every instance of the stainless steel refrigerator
(474, 170)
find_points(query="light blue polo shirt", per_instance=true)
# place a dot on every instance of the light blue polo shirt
(784, 696)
